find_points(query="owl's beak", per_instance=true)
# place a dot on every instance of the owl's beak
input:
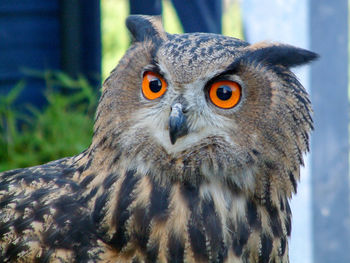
(177, 123)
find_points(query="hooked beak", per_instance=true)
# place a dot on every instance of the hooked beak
(177, 123)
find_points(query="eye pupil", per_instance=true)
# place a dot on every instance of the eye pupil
(155, 85)
(224, 92)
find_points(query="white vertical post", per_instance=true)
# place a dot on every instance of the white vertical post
(330, 142)
(287, 22)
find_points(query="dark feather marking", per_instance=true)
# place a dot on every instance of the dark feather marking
(152, 252)
(266, 248)
(28, 177)
(176, 249)
(73, 226)
(66, 204)
(49, 177)
(7, 199)
(197, 238)
(88, 164)
(39, 193)
(272, 210)
(5, 228)
(223, 254)
(275, 222)
(293, 181)
(53, 238)
(289, 212)
(62, 182)
(141, 233)
(7, 174)
(99, 209)
(4, 184)
(252, 214)
(142, 221)
(91, 194)
(75, 234)
(21, 224)
(96, 131)
(271, 165)
(81, 169)
(245, 256)
(300, 156)
(283, 246)
(38, 214)
(72, 229)
(240, 237)
(159, 200)
(288, 222)
(195, 224)
(11, 254)
(23, 204)
(302, 99)
(250, 160)
(281, 204)
(68, 172)
(87, 180)
(120, 237)
(115, 159)
(213, 228)
(110, 180)
(102, 141)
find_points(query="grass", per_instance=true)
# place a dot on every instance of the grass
(64, 127)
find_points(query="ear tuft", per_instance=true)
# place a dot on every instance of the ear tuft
(280, 54)
(146, 28)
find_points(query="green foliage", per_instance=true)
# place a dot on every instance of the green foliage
(63, 128)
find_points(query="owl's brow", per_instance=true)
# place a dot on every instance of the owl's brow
(153, 66)
(230, 69)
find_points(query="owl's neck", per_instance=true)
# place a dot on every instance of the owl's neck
(138, 212)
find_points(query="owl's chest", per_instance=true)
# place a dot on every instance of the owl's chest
(183, 223)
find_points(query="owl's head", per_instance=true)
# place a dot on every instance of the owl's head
(200, 107)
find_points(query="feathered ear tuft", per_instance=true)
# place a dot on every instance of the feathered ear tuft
(280, 54)
(146, 28)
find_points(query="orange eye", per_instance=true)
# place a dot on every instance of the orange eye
(225, 94)
(153, 85)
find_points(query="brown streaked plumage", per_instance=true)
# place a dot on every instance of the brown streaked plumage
(176, 178)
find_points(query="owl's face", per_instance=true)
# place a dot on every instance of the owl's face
(189, 93)
(203, 106)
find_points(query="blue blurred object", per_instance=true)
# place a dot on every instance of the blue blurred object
(195, 15)
(151, 7)
(200, 15)
(36, 35)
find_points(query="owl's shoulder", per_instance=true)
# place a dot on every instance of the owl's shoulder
(44, 209)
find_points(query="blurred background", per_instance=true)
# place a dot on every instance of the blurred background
(54, 56)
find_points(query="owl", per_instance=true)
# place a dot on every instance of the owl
(197, 147)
